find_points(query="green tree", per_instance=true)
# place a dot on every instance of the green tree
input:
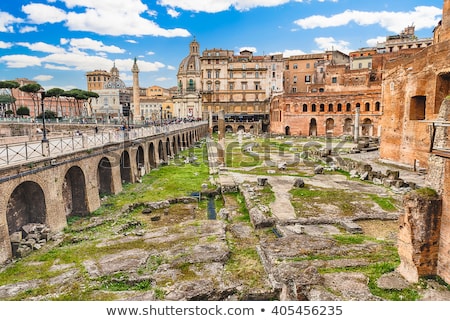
(10, 84)
(32, 90)
(23, 111)
(55, 93)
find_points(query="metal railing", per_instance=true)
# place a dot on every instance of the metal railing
(13, 154)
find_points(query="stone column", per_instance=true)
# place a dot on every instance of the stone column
(210, 120)
(221, 145)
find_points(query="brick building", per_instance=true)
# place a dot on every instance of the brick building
(415, 134)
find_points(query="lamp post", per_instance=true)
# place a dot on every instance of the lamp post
(160, 112)
(44, 137)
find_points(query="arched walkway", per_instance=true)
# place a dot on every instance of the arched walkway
(125, 167)
(74, 192)
(104, 177)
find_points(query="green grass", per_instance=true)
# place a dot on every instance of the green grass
(386, 203)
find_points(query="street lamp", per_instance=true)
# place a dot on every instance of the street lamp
(44, 137)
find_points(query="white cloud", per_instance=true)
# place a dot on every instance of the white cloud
(5, 45)
(41, 46)
(20, 61)
(91, 44)
(150, 53)
(252, 49)
(27, 29)
(374, 41)
(102, 17)
(173, 13)
(6, 21)
(35, 13)
(220, 5)
(421, 17)
(171, 67)
(292, 52)
(43, 78)
(131, 41)
(329, 43)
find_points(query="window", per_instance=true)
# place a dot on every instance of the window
(305, 108)
(339, 107)
(313, 107)
(307, 78)
(231, 86)
(244, 86)
(367, 106)
(295, 66)
(208, 72)
(257, 67)
(295, 79)
(256, 74)
(294, 89)
(417, 108)
(230, 66)
(360, 65)
(321, 90)
(273, 74)
(308, 65)
(243, 66)
(217, 86)
(369, 65)
(231, 74)
(377, 106)
(330, 107)
(334, 80)
(217, 73)
(257, 86)
(244, 74)
(348, 107)
(322, 108)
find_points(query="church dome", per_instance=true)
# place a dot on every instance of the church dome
(191, 63)
(114, 81)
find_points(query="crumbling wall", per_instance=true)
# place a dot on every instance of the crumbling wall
(419, 233)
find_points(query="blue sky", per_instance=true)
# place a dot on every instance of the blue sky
(55, 42)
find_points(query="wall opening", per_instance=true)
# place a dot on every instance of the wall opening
(417, 108)
(313, 127)
(442, 90)
(104, 177)
(74, 192)
(125, 167)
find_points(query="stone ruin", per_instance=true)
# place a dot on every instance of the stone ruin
(32, 236)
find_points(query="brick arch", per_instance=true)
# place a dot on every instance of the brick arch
(161, 154)
(105, 176)
(152, 155)
(125, 167)
(74, 192)
(26, 204)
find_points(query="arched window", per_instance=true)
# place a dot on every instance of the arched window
(313, 107)
(367, 106)
(305, 108)
(330, 107)
(348, 107)
(339, 107)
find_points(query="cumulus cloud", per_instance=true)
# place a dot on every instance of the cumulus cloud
(374, 41)
(422, 17)
(41, 47)
(220, 5)
(20, 61)
(43, 78)
(329, 43)
(292, 52)
(5, 45)
(35, 14)
(91, 44)
(7, 21)
(27, 29)
(101, 17)
(162, 79)
(173, 13)
(252, 49)
(169, 67)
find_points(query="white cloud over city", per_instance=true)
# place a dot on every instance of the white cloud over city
(420, 17)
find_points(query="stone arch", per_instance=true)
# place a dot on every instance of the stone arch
(348, 126)
(241, 127)
(228, 129)
(74, 192)
(251, 129)
(174, 145)
(161, 154)
(25, 205)
(367, 127)
(184, 140)
(313, 127)
(215, 129)
(104, 176)
(287, 131)
(151, 155)
(168, 151)
(125, 167)
(179, 143)
(140, 159)
(329, 125)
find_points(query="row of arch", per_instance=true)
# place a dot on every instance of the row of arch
(74, 189)
(347, 127)
(331, 107)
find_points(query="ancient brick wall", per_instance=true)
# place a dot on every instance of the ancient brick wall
(418, 238)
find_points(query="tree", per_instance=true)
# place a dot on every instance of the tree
(10, 84)
(49, 114)
(57, 93)
(23, 111)
(79, 96)
(32, 89)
